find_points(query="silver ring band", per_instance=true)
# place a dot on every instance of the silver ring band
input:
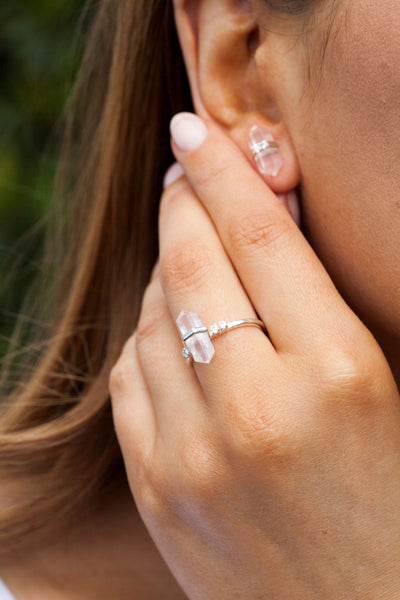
(222, 326)
(191, 332)
(200, 347)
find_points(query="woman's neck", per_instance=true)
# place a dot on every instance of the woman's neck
(109, 555)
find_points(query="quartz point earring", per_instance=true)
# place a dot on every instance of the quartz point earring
(265, 150)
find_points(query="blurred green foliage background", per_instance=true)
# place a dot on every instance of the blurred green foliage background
(41, 43)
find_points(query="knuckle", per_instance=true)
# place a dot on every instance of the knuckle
(152, 507)
(257, 434)
(154, 486)
(153, 496)
(351, 378)
(120, 377)
(258, 231)
(346, 370)
(186, 267)
(121, 374)
(201, 470)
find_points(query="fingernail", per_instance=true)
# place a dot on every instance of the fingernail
(284, 200)
(265, 150)
(188, 131)
(174, 172)
(294, 206)
(291, 203)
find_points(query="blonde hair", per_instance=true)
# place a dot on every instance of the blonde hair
(58, 448)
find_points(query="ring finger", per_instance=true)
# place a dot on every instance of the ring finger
(197, 275)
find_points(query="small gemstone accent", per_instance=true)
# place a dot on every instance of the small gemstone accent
(223, 325)
(200, 345)
(214, 329)
(218, 328)
(186, 353)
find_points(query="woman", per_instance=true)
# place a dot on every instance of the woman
(273, 470)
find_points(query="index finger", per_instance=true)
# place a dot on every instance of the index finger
(288, 285)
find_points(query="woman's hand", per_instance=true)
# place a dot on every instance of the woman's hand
(274, 471)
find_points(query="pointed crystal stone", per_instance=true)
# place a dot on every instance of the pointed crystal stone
(269, 160)
(199, 344)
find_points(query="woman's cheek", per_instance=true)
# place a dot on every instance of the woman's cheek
(345, 129)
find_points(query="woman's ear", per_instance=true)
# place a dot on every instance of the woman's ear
(219, 41)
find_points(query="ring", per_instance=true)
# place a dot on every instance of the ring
(196, 338)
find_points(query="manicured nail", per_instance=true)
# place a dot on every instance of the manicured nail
(188, 131)
(284, 200)
(291, 203)
(294, 206)
(265, 150)
(174, 172)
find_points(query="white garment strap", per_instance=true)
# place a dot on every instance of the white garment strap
(5, 593)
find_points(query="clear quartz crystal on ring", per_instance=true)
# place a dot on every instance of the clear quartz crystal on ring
(269, 160)
(200, 345)
(218, 328)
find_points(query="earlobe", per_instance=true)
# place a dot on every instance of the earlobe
(270, 150)
(217, 39)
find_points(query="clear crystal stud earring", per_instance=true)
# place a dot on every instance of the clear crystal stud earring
(265, 150)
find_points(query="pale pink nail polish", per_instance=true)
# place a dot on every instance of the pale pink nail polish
(174, 172)
(294, 206)
(291, 203)
(283, 199)
(188, 131)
